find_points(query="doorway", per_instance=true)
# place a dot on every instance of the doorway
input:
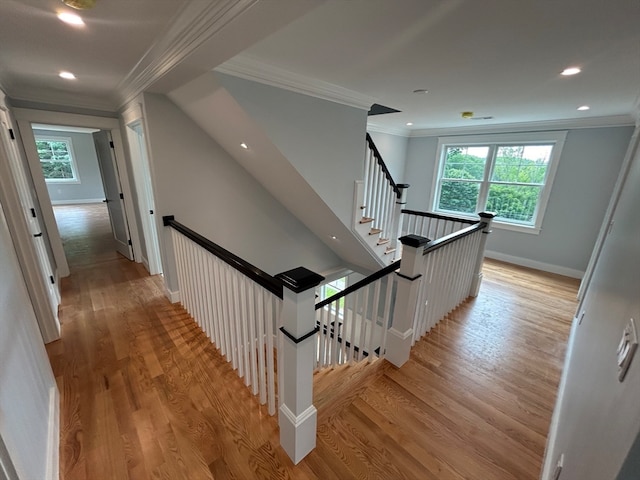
(84, 188)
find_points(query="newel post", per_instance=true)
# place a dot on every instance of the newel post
(396, 227)
(486, 217)
(298, 417)
(409, 278)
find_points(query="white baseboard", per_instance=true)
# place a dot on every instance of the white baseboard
(77, 202)
(525, 262)
(550, 457)
(172, 295)
(53, 443)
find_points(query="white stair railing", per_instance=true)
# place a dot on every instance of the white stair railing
(353, 324)
(447, 276)
(383, 198)
(240, 317)
(431, 225)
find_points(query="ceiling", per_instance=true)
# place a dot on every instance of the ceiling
(496, 58)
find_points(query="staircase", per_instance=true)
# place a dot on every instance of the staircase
(378, 202)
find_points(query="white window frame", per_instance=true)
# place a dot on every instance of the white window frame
(72, 157)
(556, 139)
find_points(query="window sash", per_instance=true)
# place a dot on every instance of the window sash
(494, 143)
(75, 178)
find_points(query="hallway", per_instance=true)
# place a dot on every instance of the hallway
(86, 233)
(145, 395)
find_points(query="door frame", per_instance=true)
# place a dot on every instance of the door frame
(25, 117)
(22, 240)
(143, 180)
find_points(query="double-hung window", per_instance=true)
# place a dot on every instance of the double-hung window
(510, 175)
(57, 159)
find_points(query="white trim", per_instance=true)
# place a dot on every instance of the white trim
(172, 295)
(58, 128)
(539, 126)
(77, 202)
(53, 441)
(400, 132)
(249, 68)
(526, 262)
(25, 118)
(197, 23)
(548, 462)
(72, 158)
(632, 152)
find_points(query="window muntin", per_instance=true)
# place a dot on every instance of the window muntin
(57, 159)
(508, 174)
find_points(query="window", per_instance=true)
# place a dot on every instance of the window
(509, 174)
(56, 159)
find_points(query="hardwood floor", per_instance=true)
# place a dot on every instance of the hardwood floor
(86, 233)
(146, 396)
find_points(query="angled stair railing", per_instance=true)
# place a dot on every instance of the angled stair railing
(380, 201)
(431, 225)
(403, 301)
(353, 324)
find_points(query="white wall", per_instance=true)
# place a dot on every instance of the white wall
(393, 149)
(90, 186)
(28, 393)
(586, 173)
(199, 183)
(324, 141)
(598, 417)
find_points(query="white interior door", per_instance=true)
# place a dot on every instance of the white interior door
(113, 192)
(27, 202)
(146, 203)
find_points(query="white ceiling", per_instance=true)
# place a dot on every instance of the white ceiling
(499, 58)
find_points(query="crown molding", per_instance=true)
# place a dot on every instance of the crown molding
(249, 68)
(591, 122)
(196, 23)
(400, 132)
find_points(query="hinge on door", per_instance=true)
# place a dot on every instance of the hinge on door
(11, 134)
(53, 282)
(121, 196)
(111, 143)
(129, 242)
(33, 212)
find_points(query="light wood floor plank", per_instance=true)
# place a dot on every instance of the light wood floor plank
(144, 394)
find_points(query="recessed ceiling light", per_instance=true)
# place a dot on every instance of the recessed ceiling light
(570, 71)
(71, 19)
(67, 75)
(584, 107)
(421, 90)
(244, 145)
(409, 124)
(333, 237)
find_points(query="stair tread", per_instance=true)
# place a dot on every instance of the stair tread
(366, 220)
(382, 241)
(389, 250)
(375, 231)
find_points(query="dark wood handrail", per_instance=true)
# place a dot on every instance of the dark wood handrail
(452, 237)
(439, 217)
(262, 278)
(358, 285)
(380, 161)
